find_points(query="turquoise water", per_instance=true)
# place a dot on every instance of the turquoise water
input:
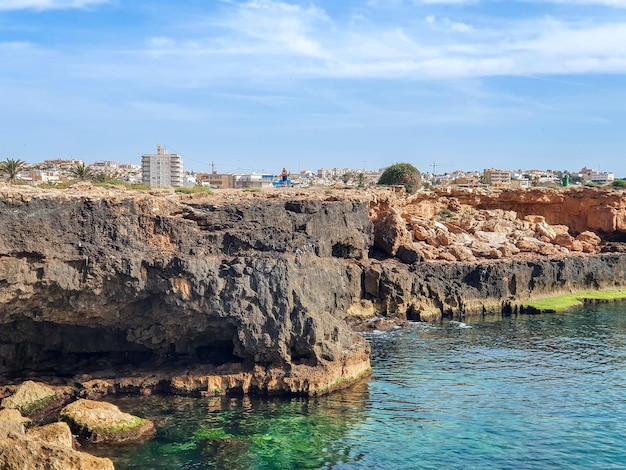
(524, 392)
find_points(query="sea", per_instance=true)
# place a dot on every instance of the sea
(517, 392)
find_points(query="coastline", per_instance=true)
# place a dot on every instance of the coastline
(229, 284)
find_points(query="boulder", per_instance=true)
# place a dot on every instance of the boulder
(104, 422)
(544, 230)
(493, 239)
(8, 427)
(535, 219)
(390, 232)
(20, 451)
(461, 253)
(588, 237)
(30, 396)
(58, 434)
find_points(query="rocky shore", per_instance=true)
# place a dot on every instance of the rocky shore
(115, 291)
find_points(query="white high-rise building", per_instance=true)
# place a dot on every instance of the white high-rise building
(162, 169)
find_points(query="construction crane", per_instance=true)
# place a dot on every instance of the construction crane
(434, 166)
(213, 165)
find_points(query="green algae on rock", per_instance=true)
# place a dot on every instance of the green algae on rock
(103, 422)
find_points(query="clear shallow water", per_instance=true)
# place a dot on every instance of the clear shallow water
(525, 392)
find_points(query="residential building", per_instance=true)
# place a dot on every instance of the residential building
(162, 169)
(253, 180)
(591, 176)
(216, 180)
(61, 164)
(497, 178)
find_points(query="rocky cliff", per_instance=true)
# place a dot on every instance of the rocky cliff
(141, 291)
(248, 292)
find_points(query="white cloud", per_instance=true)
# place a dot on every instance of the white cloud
(272, 42)
(47, 4)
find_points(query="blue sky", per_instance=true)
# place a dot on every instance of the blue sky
(255, 85)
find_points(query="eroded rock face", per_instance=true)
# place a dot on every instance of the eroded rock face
(248, 292)
(456, 225)
(116, 285)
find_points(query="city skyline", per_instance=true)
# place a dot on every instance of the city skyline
(258, 85)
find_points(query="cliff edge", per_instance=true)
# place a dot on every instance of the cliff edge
(113, 291)
(133, 291)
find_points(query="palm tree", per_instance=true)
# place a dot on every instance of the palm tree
(11, 167)
(82, 172)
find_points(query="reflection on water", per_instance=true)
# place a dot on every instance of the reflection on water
(545, 391)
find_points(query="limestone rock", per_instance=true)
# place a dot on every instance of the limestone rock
(54, 433)
(10, 426)
(29, 396)
(390, 232)
(18, 452)
(101, 422)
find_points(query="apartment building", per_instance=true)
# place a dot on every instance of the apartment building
(497, 178)
(162, 169)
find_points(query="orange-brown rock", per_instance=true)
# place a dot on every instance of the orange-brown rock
(42, 448)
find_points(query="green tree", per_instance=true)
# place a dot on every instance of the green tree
(11, 167)
(82, 172)
(619, 183)
(402, 174)
(345, 178)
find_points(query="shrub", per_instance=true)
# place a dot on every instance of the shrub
(402, 174)
(619, 183)
(194, 190)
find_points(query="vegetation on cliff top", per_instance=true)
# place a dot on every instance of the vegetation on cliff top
(194, 190)
(404, 174)
(563, 302)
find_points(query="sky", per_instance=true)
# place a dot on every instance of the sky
(257, 85)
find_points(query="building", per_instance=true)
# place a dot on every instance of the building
(253, 180)
(162, 169)
(61, 164)
(216, 180)
(598, 177)
(497, 178)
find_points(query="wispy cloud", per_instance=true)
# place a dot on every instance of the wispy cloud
(6, 5)
(273, 39)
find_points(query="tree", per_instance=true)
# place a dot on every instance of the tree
(402, 174)
(619, 183)
(11, 167)
(81, 172)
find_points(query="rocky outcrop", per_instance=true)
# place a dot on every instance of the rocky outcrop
(602, 211)
(42, 448)
(474, 225)
(426, 291)
(201, 294)
(248, 292)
